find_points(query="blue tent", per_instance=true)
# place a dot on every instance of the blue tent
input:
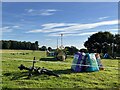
(91, 60)
(84, 62)
(77, 62)
(106, 56)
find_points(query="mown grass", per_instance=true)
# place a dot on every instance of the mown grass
(12, 77)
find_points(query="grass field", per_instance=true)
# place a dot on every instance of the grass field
(12, 77)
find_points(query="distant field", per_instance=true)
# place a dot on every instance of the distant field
(12, 77)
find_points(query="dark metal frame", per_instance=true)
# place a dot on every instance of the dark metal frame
(36, 70)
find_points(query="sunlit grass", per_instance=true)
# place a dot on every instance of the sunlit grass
(12, 77)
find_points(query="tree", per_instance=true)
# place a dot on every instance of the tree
(14, 45)
(43, 48)
(0, 44)
(28, 45)
(36, 45)
(102, 42)
(116, 46)
(6, 45)
(84, 50)
(71, 50)
(19, 45)
(49, 48)
(23, 45)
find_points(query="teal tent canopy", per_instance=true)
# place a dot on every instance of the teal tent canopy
(84, 62)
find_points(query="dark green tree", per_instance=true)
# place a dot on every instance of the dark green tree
(71, 50)
(43, 48)
(19, 45)
(102, 42)
(36, 45)
(49, 48)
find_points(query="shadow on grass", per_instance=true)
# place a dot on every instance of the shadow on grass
(66, 71)
(48, 59)
(17, 75)
(24, 75)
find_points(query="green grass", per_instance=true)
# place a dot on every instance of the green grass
(12, 77)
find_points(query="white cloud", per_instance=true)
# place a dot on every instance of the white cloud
(42, 12)
(114, 29)
(56, 25)
(8, 28)
(48, 12)
(35, 31)
(16, 26)
(70, 28)
(87, 33)
(73, 34)
(30, 10)
(51, 10)
(101, 18)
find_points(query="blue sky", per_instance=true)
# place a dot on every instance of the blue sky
(45, 21)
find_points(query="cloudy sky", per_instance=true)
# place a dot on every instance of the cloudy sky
(45, 21)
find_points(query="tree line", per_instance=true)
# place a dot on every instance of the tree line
(70, 50)
(101, 42)
(104, 42)
(10, 44)
(18, 45)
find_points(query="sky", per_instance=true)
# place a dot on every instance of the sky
(45, 21)
(60, 0)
